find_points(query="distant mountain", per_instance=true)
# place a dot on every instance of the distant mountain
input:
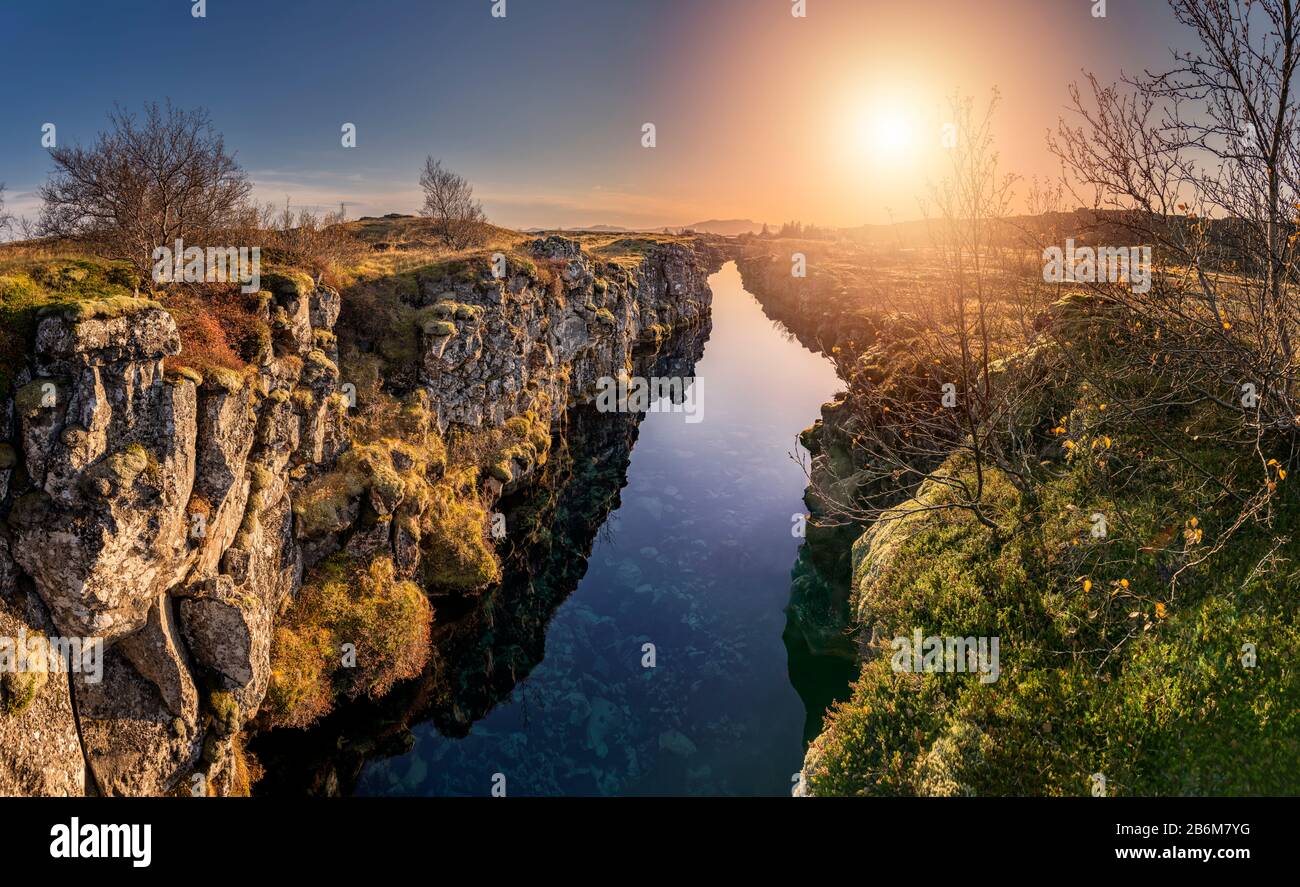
(591, 229)
(727, 227)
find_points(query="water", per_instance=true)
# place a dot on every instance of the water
(548, 689)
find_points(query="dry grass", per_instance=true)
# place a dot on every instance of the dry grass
(401, 244)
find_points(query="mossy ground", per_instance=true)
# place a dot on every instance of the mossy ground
(1106, 665)
(217, 323)
(30, 286)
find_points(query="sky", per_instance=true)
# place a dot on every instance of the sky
(831, 118)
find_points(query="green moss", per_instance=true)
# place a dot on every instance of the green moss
(441, 328)
(224, 379)
(501, 471)
(19, 689)
(288, 283)
(8, 458)
(1101, 669)
(605, 316)
(260, 347)
(179, 374)
(33, 397)
(101, 309)
(303, 658)
(260, 478)
(227, 717)
(29, 287)
(120, 471)
(326, 505)
(390, 468)
(304, 400)
(456, 555)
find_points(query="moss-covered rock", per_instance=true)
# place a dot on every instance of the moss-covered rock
(18, 689)
(227, 717)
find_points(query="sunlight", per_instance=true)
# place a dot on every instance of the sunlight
(886, 134)
(891, 134)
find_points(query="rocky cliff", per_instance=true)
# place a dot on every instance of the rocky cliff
(173, 516)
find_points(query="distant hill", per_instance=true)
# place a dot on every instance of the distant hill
(726, 227)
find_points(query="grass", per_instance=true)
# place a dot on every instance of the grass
(402, 244)
(33, 285)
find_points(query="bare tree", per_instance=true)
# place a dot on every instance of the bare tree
(939, 405)
(449, 202)
(145, 183)
(1203, 161)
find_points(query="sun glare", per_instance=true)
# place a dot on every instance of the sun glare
(887, 134)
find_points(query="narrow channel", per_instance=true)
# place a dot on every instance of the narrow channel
(696, 561)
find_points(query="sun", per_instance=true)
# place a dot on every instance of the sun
(887, 133)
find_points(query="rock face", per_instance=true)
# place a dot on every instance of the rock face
(153, 512)
(497, 344)
(109, 449)
(38, 733)
(154, 519)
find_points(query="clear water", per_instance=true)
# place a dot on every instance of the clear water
(696, 561)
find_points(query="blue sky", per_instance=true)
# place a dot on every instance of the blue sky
(542, 109)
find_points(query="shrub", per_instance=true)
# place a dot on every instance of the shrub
(343, 601)
(302, 660)
(456, 556)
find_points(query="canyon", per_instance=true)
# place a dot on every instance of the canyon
(175, 514)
